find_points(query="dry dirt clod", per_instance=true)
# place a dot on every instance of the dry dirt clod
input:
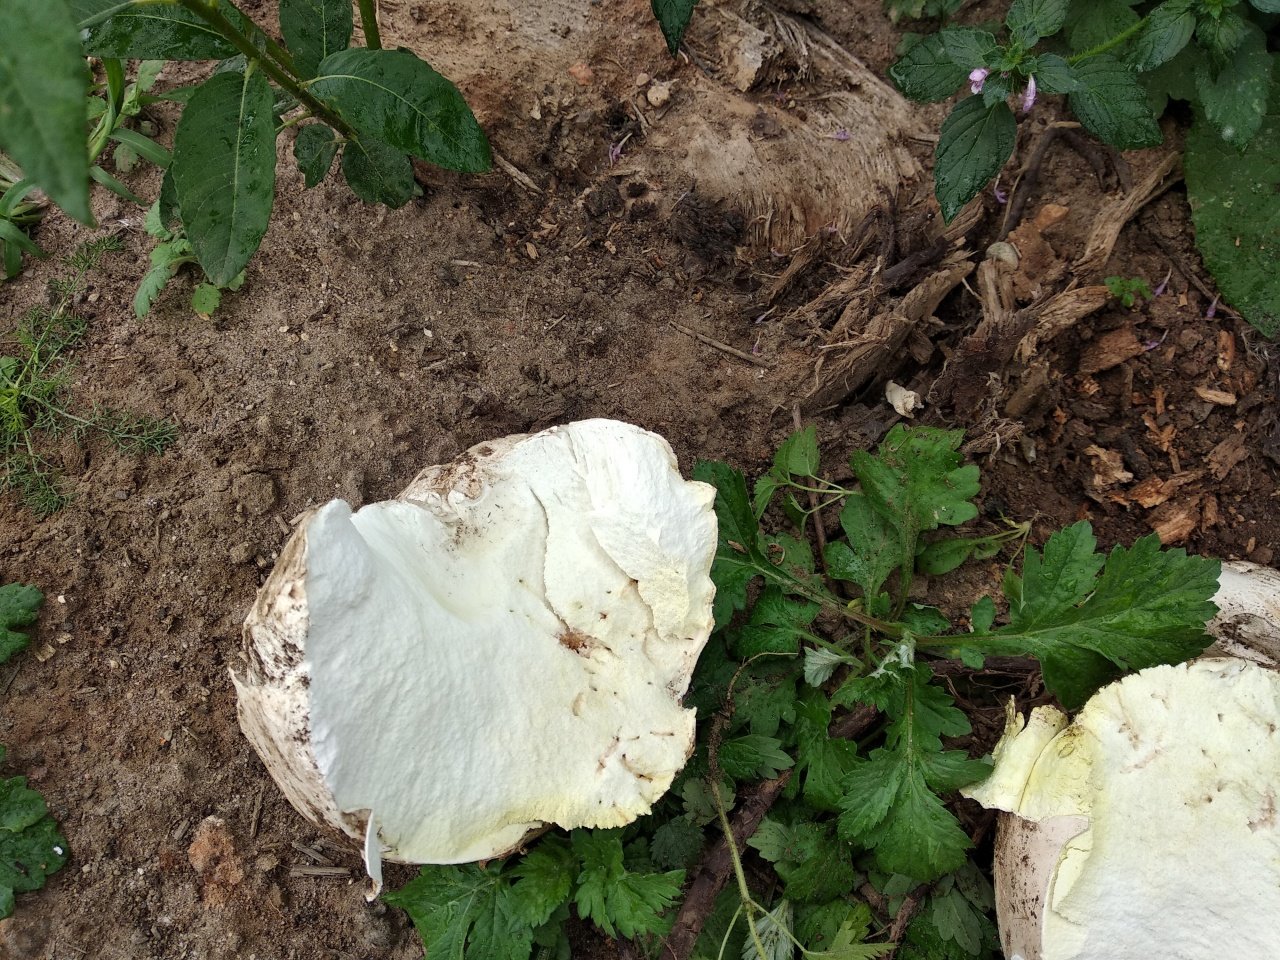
(212, 854)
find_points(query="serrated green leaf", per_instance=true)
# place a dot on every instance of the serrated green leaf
(166, 258)
(20, 806)
(1029, 20)
(1054, 75)
(754, 757)
(927, 72)
(968, 47)
(699, 800)
(820, 663)
(154, 32)
(1235, 204)
(1220, 35)
(395, 98)
(1168, 29)
(772, 929)
(205, 299)
(823, 761)
(677, 844)
(613, 899)
(461, 909)
(1235, 101)
(224, 171)
(1091, 23)
(777, 624)
(765, 699)
(28, 856)
(798, 455)
(673, 17)
(975, 142)
(1112, 105)
(543, 880)
(19, 607)
(43, 82)
(1147, 606)
(813, 864)
(819, 926)
(314, 149)
(313, 29)
(378, 173)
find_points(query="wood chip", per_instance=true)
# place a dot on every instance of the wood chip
(1226, 350)
(1109, 350)
(1220, 397)
(1174, 522)
(1108, 468)
(305, 871)
(1154, 491)
(312, 853)
(1224, 457)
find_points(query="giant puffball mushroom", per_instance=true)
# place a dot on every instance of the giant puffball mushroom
(503, 647)
(1248, 620)
(1147, 827)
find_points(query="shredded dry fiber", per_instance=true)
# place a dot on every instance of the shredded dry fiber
(790, 173)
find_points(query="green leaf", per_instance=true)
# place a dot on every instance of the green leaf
(753, 757)
(166, 258)
(1235, 205)
(969, 47)
(377, 173)
(889, 804)
(673, 17)
(677, 844)
(30, 849)
(457, 910)
(928, 72)
(813, 864)
(798, 455)
(43, 82)
(1147, 606)
(1266, 6)
(10, 233)
(1112, 106)
(616, 901)
(146, 148)
(205, 299)
(1091, 23)
(1220, 35)
(1053, 74)
(823, 761)
(820, 663)
(772, 929)
(1235, 101)
(739, 557)
(313, 29)
(777, 624)
(155, 32)
(19, 606)
(975, 143)
(1029, 20)
(544, 878)
(1169, 28)
(224, 171)
(393, 97)
(314, 149)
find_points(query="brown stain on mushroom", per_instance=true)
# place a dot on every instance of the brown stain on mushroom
(577, 641)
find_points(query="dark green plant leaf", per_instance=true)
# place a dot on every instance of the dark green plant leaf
(969, 47)
(457, 910)
(1085, 616)
(1053, 74)
(1235, 204)
(928, 72)
(1169, 28)
(753, 757)
(673, 17)
(393, 97)
(777, 625)
(996, 89)
(377, 173)
(1090, 23)
(224, 171)
(798, 455)
(1029, 20)
(28, 854)
(814, 865)
(313, 29)
(166, 258)
(677, 844)
(1112, 106)
(43, 82)
(314, 149)
(615, 900)
(822, 760)
(19, 606)
(1220, 35)
(1235, 101)
(543, 879)
(155, 32)
(975, 143)
(1266, 6)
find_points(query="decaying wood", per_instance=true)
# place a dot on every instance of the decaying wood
(1058, 314)
(1119, 211)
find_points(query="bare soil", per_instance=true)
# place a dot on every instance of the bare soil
(368, 343)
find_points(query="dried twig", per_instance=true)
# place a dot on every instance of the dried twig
(718, 345)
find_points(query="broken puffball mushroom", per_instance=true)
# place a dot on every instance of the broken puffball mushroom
(502, 647)
(1150, 825)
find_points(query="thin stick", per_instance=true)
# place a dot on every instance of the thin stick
(718, 345)
(369, 21)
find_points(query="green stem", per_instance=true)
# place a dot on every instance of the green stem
(369, 21)
(1111, 44)
(743, 890)
(208, 11)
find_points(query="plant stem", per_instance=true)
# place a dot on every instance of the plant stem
(369, 21)
(207, 11)
(1111, 44)
(744, 892)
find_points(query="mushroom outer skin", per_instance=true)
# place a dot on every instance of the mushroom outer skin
(504, 646)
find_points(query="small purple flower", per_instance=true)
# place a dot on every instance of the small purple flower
(842, 135)
(1029, 97)
(1002, 196)
(1164, 284)
(1212, 311)
(977, 78)
(615, 153)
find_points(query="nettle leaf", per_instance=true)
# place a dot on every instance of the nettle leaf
(543, 879)
(397, 99)
(969, 47)
(813, 864)
(1030, 20)
(753, 757)
(224, 171)
(1235, 204)
(615, 900)
(1091, 23)
(43, 82)
(889, 804)
(777, 624)
(313, 29)
(673, 17)
(378, 173)
(1235, 101)
(155, 32)
(1169, 28)
(822, 760)
(976, 141)
(19, 606)
(1112, 106)
(461, 909)
(1085, 616)
(1053, 74)
(677, 844)
(739, 558)
(314, 149)
(1221, 35)
(928, 72)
